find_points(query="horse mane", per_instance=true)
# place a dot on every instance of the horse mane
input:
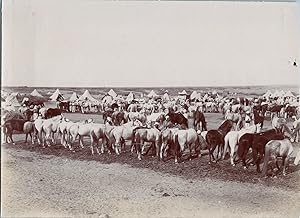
(225, 124)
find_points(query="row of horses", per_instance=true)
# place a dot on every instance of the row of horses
(269, 144)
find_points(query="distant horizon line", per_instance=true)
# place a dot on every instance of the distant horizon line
(181, 86)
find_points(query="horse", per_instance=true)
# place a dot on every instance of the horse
(79, 129)
(137, 116)
(48, 127)
(141, 135)
(199, 121)
(275, 109)
(118, 117)
(257, 142)
(156, 117)
(119, 134)
(63, 130)
(277, 122)
(20, 125)
(215, 138)
(177, 118)
(185, 138)
(52, 112)
(258, 119)
(167, 138)
(97, 132)
(232, 139)
(291, 111)
(277, 148)
(236, 119)
(107, 113)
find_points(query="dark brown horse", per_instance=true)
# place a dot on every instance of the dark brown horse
(258, 118)
(19, 125)
(199, 118)
(215, 138)
(118, 118)
(257, 142)
(177, 118)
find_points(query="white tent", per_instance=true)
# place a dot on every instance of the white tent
(182, 93)
(35, 93)
(55, 94)
(152, 94)
(289, 94)
(12, 100)
(73, 97)
(130, 97)
(112, 93)
(281, 93)
(166, 97)
(194, 95)
(268, 94)
(275, 94)
(87, 96)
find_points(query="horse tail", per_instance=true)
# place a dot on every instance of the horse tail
(176, 143)
(93, 136)
(133, 140)
(266, 158)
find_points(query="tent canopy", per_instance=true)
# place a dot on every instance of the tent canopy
(182, 93)
(152, 94)
(112, 93)
(166, 97)
(87, 97)
(194, 95)
(35, 93)
(130, 97)
(289, 94)
(268, 94)
(74, 97)
(55, 95)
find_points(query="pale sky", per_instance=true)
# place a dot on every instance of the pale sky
(116, 43)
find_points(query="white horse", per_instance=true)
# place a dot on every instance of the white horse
(119, 134)
(277, 122)
(232, 138)
(100, 131)
(48, 127)
(79, 129)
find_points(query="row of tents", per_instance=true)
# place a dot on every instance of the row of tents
(279, 94)
(15, 99)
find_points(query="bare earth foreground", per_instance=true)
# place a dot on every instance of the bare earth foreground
(46, 185)
(54, 182)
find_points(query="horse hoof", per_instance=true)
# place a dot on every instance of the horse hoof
(14, 143)
(209, 163)
(245, 168)
(233, 165)
(214, 161)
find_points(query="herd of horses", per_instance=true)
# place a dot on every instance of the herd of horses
(167, 134)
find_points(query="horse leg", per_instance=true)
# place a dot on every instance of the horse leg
(92, 145)
(285, 164)
(232, 156)
(190, 148)
(81, 141)
(26, 136)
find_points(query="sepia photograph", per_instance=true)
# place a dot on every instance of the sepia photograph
(169, 109)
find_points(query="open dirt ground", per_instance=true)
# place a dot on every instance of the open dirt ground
(58, 183)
